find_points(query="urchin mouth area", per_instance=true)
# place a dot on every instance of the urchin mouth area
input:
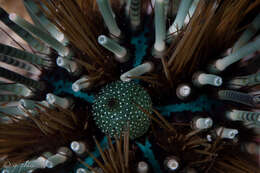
(112, 103)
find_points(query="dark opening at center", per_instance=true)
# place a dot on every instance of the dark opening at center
(112, 103)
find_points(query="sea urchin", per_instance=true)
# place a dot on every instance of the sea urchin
(115, 106)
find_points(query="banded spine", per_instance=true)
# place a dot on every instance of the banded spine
(32, 41)
(244, 81)
(135, 13)
(26, 167)
(237, 97)
(9, 98)
(238, 115)
(26, 56)
(254, 79)
(21, 79)
(9, 60)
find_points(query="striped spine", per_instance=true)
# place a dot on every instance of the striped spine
(135, 13)
(238, 115)
(25, 167)
(9, 60)
(237, 97)
(26, 36)
(21, 79)
(9, 98)
(244, 81)
(26, 56)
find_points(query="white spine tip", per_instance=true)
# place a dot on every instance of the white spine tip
(75, 87)
(82, 83)
(172, 164)
(78, 147)
(111, 45)
(69, 65)
(125, 78)
(142, 167)
(50, 98)
(62, 102)
(208, 122)
(49, 164)
(75, 146)
(81, 170)
(27, 104)
(185, 91)
(201, 79)
(160, 47)
(60, 37)
(5, 171)
(218, 81)
(102, 39)
(12, 16)
(23, 103)
(66, 52)
(227, 133)
(60, 62)
(203, 123)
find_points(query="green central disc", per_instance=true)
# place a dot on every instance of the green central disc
(115, 106)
